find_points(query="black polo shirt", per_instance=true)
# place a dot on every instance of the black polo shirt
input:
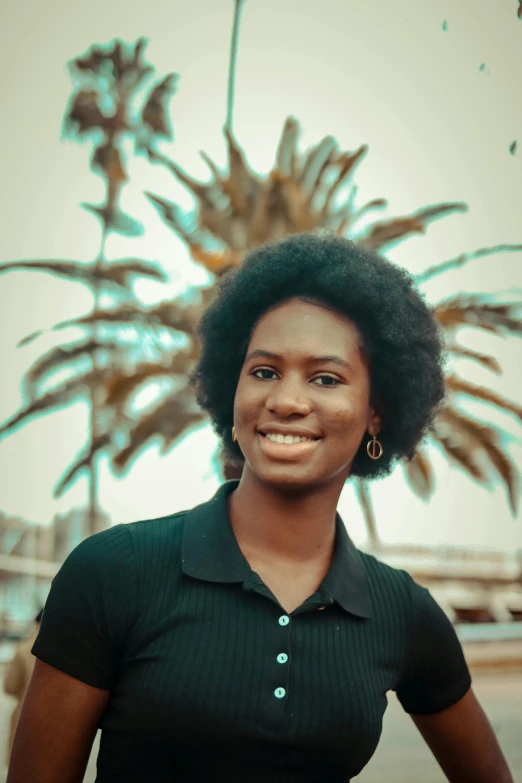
(211, 680)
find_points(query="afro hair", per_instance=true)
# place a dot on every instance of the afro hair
(400, 338)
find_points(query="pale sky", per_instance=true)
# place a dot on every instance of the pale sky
(439, 128)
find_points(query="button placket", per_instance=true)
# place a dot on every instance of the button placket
(276, 702)
(281, 692)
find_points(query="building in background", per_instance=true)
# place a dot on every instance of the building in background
(30, 556)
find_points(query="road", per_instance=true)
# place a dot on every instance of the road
(402, 756)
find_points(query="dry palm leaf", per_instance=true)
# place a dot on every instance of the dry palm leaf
(459, 385)
(384, 233)
(476, 311)
(154, 113)
(467, 353)
(61, 358)
(108, 159)
(463, 258)
(121, 387)
(168, 420)
(83, 462)
(462, 454)
(168, 315)
(116, 220)
(68, 392)
(478, 438)
(119, 274)
(419, 472)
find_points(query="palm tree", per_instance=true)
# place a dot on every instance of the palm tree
(106, 82)
(238, 209)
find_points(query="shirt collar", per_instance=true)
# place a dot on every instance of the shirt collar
(211, 553)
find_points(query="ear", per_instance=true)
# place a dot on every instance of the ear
(374, 423)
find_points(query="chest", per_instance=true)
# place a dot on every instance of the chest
(290, 588)
(225, 666)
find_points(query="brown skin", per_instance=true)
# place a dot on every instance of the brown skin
(56, 730)
(282, 386)
(296, 495)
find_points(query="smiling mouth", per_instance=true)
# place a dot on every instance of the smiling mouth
(286, 447)
(286, 440)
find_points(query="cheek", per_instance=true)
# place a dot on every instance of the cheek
(352, 417)
(246, 401)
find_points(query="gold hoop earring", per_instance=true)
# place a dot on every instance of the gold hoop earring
(234, 436)
(374, 448)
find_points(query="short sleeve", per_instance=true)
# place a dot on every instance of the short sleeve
(435, 674)
(90, 606)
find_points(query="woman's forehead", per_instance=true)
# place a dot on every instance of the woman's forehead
(297, 326)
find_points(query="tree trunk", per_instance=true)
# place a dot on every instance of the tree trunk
(365, 500)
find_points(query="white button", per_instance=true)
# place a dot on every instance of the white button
(279, 693)
(284, 619)
(282, 658)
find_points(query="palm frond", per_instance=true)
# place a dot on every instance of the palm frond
(57, 398)
(464, 258)
(427, 214)
(119, 273)
(385, 232)
(122, 386)
(168, 421)
(460, 386)
(467, 353)
(419, 473)
(315, 163)
(462, 455)
(154, 113)
(60, 358)
(480, 313)
(477, 437)
(168, 315)
(347, 163)
(115, 220)
(82, 463)
(286, 155)
(241, 184)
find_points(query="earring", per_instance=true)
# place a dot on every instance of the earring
(374, 448)
(234, 436)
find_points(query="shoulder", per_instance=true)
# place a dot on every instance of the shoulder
(383, 578)
(157, 531)
(123, 542)
(395, 590)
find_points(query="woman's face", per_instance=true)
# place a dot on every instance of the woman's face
(304, 381)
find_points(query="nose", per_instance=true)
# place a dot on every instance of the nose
(288, 397)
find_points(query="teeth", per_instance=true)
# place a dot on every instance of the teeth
(289, 439)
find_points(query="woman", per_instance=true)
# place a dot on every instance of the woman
(247, 640)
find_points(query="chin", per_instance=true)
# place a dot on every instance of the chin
(289, 479)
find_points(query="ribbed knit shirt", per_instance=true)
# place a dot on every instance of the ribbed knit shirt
(211, 680)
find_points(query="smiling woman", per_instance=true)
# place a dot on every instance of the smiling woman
(248, 639)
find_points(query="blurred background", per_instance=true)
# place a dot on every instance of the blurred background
(145, 148)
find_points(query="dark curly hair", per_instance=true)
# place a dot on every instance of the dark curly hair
(400, 337)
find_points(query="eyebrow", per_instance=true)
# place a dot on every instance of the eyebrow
(259, 353)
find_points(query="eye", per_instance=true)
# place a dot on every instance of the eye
(330, 380)
(259, 373)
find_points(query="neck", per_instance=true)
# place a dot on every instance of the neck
(291, 527)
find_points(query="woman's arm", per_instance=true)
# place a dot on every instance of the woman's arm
(464, 744)
(56, 730)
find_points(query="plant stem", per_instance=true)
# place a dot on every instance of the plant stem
(94, 395)
(232, 63)
(364, 497)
